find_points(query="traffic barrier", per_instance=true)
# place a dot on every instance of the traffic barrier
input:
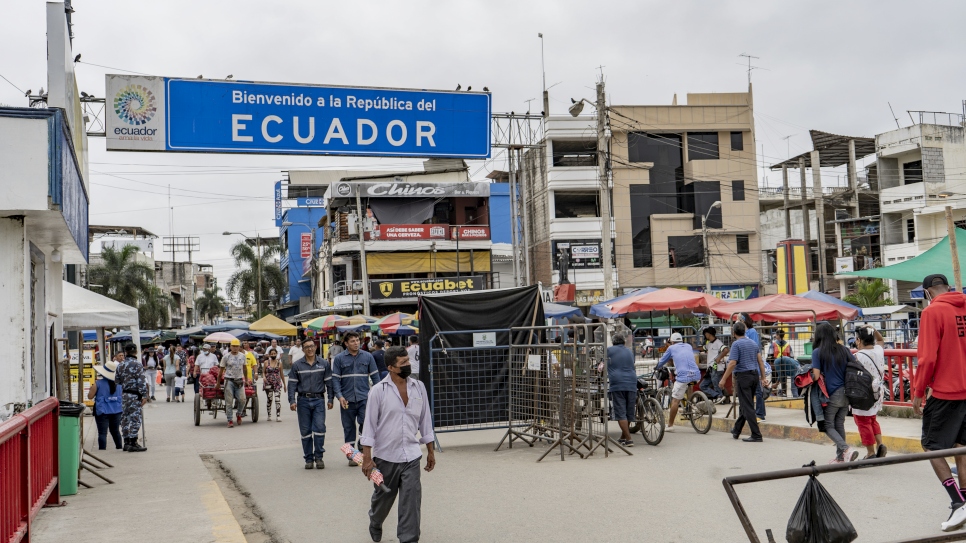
(900, 369)
(28, 468)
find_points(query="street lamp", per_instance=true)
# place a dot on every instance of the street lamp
(707, 253)
(258, 272)
(312, 257)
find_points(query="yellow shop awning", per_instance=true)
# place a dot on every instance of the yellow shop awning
(428, 262)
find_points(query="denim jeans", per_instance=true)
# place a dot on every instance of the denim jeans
(786, 368)
(108, 422)
(236, 393)
(835, 411)
(355, 414)
(709, 385)
(311, 415)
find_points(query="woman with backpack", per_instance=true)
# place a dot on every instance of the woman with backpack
(870, 354)
(829, 360)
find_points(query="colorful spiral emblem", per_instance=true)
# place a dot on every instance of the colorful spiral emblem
(135, 104)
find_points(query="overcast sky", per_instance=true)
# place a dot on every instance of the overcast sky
(831, 66)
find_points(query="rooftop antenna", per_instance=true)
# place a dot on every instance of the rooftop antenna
(543, 67)
(528, 104)
(750, 67)
(788, 151)
(896, 119)
(601, 68)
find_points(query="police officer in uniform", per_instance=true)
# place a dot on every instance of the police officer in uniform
(134, 394)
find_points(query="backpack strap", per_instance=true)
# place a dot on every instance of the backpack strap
(881, 374)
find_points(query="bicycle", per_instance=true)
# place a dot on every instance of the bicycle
(695, 407)
(648, 414)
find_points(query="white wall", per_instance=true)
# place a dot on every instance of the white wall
(773, 226)
(14, 304)
(23, 154)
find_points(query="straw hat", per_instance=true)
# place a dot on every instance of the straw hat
(107, 370)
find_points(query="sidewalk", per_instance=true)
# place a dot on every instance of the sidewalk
(165, 494)
(898, 434)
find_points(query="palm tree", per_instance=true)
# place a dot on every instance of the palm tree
(243, 284)
(120, 276)
(210, 304)
(870, 293)
(155, 310)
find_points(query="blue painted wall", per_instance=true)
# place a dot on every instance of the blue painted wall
(291, 263)
(500, 223)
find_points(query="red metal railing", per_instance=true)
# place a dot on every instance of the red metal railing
(901, 362)
(28, 468)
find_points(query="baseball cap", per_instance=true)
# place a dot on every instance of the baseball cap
(933, 280)
(676, 338)
(235, 342)
(206, 346)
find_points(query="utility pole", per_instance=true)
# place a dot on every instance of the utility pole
(602, 161)
(526, 219)
(788, 212)
(819, 217)
(258, 243)
(805, 224)
(951, 229)
(362, 254)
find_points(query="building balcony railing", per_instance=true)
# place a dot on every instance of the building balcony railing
(795, 193)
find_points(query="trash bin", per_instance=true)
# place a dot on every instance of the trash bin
(69, 446)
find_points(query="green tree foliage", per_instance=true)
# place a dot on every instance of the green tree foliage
(243, 284)
(870, 293)
(210, 304)
(120, 276)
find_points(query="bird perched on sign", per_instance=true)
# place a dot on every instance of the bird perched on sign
(458, 86)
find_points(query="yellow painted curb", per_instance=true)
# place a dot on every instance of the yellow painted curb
(812, 435)
(224, 527)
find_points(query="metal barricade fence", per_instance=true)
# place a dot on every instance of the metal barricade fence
(469, 383)
(897, 333)
(661, 338)
(558, 391)
(784, 369)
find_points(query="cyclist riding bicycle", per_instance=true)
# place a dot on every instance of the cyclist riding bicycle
(686, 372)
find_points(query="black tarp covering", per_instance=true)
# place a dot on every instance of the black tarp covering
(471, 386)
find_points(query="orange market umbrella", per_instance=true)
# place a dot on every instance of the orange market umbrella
(666, 299)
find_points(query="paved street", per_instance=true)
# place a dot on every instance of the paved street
(671, 492)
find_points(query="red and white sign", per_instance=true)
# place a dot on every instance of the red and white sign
(306, 245)
(392, 232)
(470, 232)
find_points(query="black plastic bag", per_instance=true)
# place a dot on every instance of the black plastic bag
(816, 518)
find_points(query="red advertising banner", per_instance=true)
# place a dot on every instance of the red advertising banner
(306, 245)
(470, 232)
(390, 232)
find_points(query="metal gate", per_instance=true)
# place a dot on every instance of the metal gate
(558, 390)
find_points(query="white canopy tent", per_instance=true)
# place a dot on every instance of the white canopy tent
(84, 310)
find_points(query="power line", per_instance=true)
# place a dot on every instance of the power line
(12, 85)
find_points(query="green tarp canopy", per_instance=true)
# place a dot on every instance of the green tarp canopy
(935, 260)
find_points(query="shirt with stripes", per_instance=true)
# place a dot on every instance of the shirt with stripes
(305, 378)
(351, 375)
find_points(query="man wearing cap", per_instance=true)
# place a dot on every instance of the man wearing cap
(129, 376)
(311, 378)
(941, 377)
(233, 374)
(685, 372)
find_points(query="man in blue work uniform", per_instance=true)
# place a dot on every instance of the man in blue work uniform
(685, 372)
(622, 387)
(352, 370)
(311, 378)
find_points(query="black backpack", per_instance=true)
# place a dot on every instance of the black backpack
(858, 385)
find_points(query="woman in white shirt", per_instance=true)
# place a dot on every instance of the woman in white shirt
(870, 354)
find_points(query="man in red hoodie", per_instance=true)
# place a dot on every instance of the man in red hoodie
(941, 376)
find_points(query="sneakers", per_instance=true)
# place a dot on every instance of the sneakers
(726, 401)
(352, 464)
(836, 460)
(319, 464)
(669, 429)
(625, 442)
(239, 420)
(853, 456)
(278, 419)
(231, 424)
(956, 519)
(309, 465)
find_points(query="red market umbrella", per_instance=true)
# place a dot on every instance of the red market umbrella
(665, 299)
(785, 308)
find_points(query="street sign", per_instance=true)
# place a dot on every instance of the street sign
(278, 203)
(310, 202)
(148, 113)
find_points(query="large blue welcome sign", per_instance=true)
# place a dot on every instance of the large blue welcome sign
(196, 115)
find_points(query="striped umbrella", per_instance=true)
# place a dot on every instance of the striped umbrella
(327, 322)
(393, 319)
(354, 320)
(401, 330)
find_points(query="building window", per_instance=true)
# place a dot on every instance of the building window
(685, 251)
(912, 172)
(662, 150)
(737, 191)
(574, 153)
(742, 242)
(697, 198)
(575, 205)
(910, 230)
(702, 145)
(737, 141)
